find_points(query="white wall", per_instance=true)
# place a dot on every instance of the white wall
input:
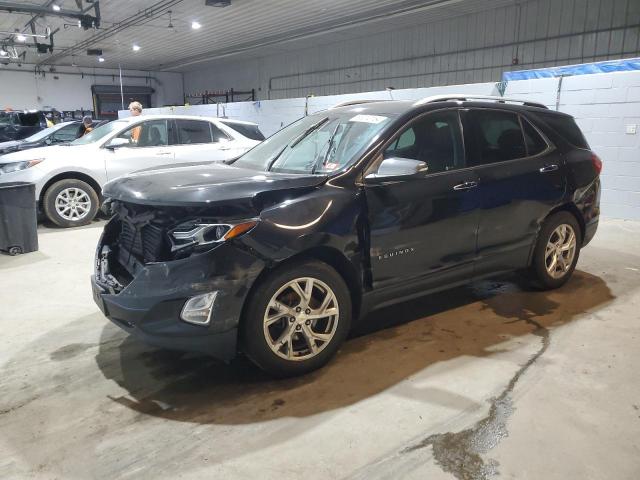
(475, 47)
(603, 104)
(25, 90)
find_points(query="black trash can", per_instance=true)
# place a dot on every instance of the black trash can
(18, 218)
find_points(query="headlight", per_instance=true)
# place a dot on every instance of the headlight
(15, 166)
(200, 232)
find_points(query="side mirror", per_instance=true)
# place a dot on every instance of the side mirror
(117, 143)
(398, 167)
(48, 141)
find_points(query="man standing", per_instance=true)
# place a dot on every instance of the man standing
(87, 125)
(136, 109)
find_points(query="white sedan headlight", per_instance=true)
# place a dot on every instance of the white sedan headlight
(16, 166)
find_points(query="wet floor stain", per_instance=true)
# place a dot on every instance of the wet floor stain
(70, 351)
(461, 453)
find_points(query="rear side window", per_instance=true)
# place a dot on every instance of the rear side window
(250, 131)
(534, 142)
(566, 128)
(218, 134)
(193, 132)
(498, 136)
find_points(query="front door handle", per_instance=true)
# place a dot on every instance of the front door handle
(466, 186)
(164, 153)
(549, 168)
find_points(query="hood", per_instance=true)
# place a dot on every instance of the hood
(10, 145)
(53, 151)
(202, 184)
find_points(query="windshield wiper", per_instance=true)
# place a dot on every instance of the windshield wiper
(297, 140)
(312, 128)
(325, 157)
(273, 160)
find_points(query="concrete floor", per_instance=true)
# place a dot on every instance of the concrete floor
(488, 379)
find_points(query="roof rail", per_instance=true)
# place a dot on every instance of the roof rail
(356, 102)
(467, 98)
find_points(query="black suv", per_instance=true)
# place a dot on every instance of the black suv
(344, 211)
(19, 125)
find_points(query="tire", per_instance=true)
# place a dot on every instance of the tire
(294, 354)
(546, 274)
(79, 196)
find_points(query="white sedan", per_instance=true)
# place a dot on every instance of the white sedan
(69, 178)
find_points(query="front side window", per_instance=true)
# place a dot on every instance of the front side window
(434, 139)
(152, 133)
(193, 131)
(497, 136)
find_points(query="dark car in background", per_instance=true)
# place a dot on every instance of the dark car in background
(16, 125)
(347, 210)
(60, 133)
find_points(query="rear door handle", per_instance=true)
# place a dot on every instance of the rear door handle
(164, 153)
(549, 168)
(466, 186)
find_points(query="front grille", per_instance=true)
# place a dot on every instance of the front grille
(147, 242)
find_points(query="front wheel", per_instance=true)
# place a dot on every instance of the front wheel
(557, 250)
(296, 319)
(70, 203)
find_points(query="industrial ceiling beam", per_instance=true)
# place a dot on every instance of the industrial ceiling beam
(86, 20)
(143, 16)
(12, 7)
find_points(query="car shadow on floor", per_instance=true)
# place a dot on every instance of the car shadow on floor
(387, 347)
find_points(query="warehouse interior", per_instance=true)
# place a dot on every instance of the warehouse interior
(490, 377)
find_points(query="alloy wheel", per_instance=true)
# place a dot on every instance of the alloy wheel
(560, 251)
(73, 204)
(301, 319)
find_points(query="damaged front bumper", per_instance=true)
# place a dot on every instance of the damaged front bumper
(149, 305)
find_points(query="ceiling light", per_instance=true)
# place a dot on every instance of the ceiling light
(135, 47)
(21, 38)
(195, 25)
(100, 59)
(56, 8)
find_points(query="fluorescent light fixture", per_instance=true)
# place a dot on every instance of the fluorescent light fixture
(56, 8)
(100, 59)
(135, 47)
(195, 25)
(21, 38)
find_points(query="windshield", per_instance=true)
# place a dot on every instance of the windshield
(100, 132)
(320, 143)
(5, 118)
(43, 133)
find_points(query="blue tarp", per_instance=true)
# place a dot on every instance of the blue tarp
(624, 65)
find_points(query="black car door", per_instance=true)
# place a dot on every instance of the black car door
(422, 225)
(521, 178)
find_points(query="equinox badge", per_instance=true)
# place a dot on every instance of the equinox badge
(395, 253)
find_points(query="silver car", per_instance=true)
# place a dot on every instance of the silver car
(69, 178)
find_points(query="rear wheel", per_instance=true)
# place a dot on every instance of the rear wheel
(70, 203)
(557, 250)
(296, 319)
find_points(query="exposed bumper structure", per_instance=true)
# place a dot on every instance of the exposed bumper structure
(149, 306)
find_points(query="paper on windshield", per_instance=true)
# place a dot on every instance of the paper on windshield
(368, 118)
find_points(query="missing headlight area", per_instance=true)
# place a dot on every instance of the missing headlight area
(142, 234)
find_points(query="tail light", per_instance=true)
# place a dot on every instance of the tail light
(597, 163)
